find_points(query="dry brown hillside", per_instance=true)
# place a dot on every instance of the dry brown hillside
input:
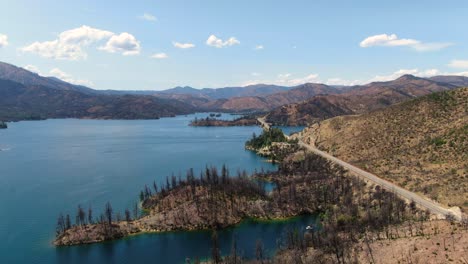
(420, 144)
(357, 100)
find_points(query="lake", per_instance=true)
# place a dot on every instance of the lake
(49, 167)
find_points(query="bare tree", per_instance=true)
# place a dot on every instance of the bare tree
(90, 215)
(108, 213)
(80, 216)
(128, 218)
(259, 251)
(215, 253)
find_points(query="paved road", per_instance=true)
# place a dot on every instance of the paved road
(433, 207)
(263, 123)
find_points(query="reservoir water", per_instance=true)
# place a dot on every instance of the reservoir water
(48, 167)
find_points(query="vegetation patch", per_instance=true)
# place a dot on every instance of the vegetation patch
(272, 143)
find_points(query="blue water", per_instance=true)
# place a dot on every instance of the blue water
(48, 167)
(288, 130)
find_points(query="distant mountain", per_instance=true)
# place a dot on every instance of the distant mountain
(25, 77)
(269, 102)
(420, 144)
(182, 90)
(19, 102)
(29, 95)
(227, 92)
(460, 81)
(356, 100)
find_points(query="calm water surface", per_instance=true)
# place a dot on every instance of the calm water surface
(48, 167)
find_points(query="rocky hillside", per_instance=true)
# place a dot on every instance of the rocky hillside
(269, 102)
(356, 100)
(420, 144)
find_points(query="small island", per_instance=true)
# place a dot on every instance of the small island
(212, 120)
(272, 144)
(3, 125)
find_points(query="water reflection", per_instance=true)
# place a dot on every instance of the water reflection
(176, 247)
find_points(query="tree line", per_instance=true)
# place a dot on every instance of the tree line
(84, 217)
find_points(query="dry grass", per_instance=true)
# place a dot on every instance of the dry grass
(420, 145)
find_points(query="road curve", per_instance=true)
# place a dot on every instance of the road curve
(433, 207)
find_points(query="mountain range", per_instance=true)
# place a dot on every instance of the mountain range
(27, 95)
(360, 99)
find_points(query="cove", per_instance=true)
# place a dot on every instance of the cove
(176, 247)
(48, 167)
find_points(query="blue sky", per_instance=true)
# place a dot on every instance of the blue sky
(141, 45)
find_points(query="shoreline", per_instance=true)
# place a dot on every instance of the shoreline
(190, 207)
(158, 232)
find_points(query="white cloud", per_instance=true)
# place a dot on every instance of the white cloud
(389, 77)
(32, 68)
(55, 72)
(393, 41)
(259, 47)
(286, 79)
(339, 81)
(399, 73)
(3, 40)
(219, 43)
(83, 36)
(460, 64)
(124, 43)
(311, 78)
(159, 56)
(459, 74)
(148, 17)
(255, 74)
(183, 45)
(69, 44)
(283, 76)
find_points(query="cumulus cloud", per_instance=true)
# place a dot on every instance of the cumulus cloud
(311, 78)
(339, 81)
(399, 73)
(69, 44)
(183, 45)
(259, 47)
(460, 64)
(124, 43)
(283, 76)
(160, 56)
(56, 72)
(214, 41)
(83, 36)
(3, 40)
(387, 77)
(394, 41)
(459, 74)
(32, 68)
(286, 79)
(148, 17)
